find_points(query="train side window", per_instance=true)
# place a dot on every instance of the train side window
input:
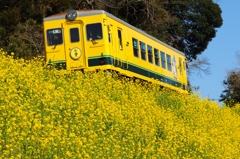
(163, 60)
(180, 66)
(143, 50)
(74, 35)
(54, 36)
(169, 65)
(109, 37)
(135, 47)
(156, 55)
(94, 31)
(150, 55)
(120, 39)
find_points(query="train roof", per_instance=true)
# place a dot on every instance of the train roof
(80, 13)
(83, 13)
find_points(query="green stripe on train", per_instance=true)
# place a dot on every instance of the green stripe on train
(134, 68)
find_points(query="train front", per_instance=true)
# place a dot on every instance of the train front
(63, 40)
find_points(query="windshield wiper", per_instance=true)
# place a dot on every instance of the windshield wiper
(54, 46)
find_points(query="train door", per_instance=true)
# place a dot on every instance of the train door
(180, 67)
(111, 41)
(74, 48)
(121, 50)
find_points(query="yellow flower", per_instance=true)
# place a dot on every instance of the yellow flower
(74, 115)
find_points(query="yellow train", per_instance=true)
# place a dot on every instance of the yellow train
(94, 39)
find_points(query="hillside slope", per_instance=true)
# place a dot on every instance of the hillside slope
(45, 114)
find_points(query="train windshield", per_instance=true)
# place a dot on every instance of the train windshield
(54, 36)
(94, 31)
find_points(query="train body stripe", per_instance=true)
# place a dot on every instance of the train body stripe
(136, 69)
(96, 61)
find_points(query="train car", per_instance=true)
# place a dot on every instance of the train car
(96, 40)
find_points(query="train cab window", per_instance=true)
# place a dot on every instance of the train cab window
(135, 47)
(54, 36)
(74, 35)
(169, 65)
(180, 66)
(150, 55)
(163, 60)
(120, 39)
(94, 31)
(143, 50)
(156, 55)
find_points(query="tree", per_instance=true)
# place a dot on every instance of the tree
(185, 25)
(27, 40)
(9, 18)
(200, 65)
(231, 95)
(21, 24)
(198, 21)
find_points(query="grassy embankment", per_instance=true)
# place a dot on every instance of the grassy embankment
(44, 115)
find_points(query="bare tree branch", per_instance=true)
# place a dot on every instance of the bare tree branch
(200, 65)
(238, 57)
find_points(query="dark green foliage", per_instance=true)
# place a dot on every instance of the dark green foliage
(27, 40)
(21, 24)
(231, 95)
(198, 21)
(185, 25)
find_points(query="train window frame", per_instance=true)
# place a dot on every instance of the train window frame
(169, 63)
(135, 47)
(109, 38)
(54, 31)
(163, 60)
(94, 31)
(180, 66)
(143, 50)
(120, 39)
(156, 55)
(150, 55)
(73, 37)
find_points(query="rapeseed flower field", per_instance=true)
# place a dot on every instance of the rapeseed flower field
(53, 114)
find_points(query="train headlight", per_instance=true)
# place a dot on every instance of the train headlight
(71, 15)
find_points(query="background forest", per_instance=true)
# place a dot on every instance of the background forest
(186, 25)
